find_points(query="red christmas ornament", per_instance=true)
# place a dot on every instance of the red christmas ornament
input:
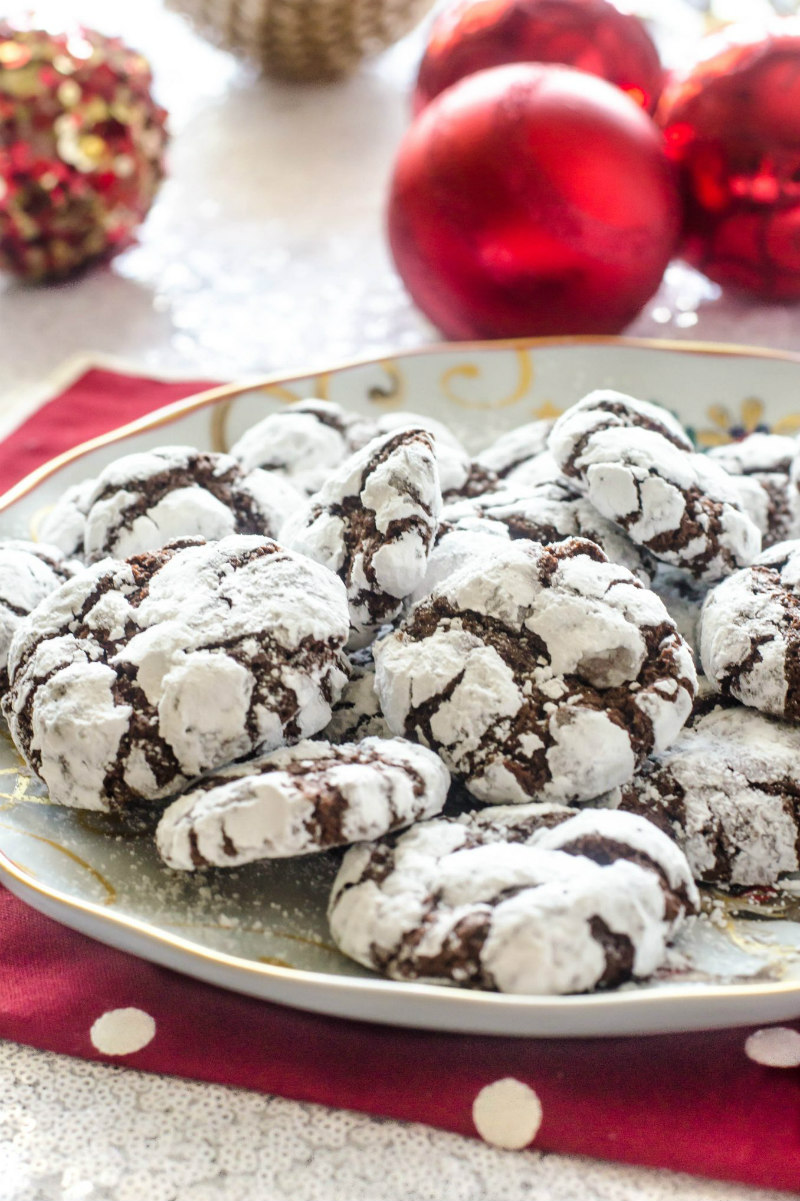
(532, 199)
(590, 35)
(732, 124)
(81, 148)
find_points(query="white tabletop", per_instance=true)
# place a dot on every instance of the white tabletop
(264, 252)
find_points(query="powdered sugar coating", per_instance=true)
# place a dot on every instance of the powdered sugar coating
(757, 453)
(357, 713)
(373, 523)
(764, 462)
(459, 474)
(64, 525)
(542, 911)
(683, 508)
(303, 442)
(600, 412)
(512, 451)
(728, 791)
(683, 599)
(548, 512)
(302, 799)
(29, 571)
(145, 500)
(135, 677)
(749, 638)
(636, 465)
(539, 671)
(470, 539)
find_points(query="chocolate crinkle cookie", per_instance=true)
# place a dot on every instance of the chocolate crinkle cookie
(303, 442)
(541, 671)
(636, 466)
(357, 713)
(302, 799)
(573, 433)
(373, 523)
(767, 462)
(135, 677)
(537, 902)
(64, 525)
(145, 500)
(750, 633)
(459, 473)
(549, 512)
(509, 456)
(29, 571)
(456, 546)
(728, 791)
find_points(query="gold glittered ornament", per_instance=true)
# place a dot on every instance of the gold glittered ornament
(81, 148)
(304, 40)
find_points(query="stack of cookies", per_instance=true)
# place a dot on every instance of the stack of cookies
(478, 674)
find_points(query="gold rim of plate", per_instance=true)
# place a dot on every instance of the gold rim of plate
(191, 404)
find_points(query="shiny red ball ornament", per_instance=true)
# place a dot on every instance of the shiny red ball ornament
(590, 35)
(732, 125)
(532, 199)
(81, 148)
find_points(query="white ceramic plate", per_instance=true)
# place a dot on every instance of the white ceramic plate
(261, 930)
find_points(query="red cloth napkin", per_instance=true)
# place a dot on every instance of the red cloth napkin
(706, 1103)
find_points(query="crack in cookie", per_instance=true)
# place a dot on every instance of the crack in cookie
(541, 670)
(524, 899)
(135, 677)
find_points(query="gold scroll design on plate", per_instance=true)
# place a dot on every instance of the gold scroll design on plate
(392, 393)
(110, 891)
(727, 426)
(453, 376)
(22, 789)
(220, 413)
(25, 787)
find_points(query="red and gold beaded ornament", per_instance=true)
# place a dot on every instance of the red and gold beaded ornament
(81, 148)
(532, 199)
(590, 35)
(732, 125)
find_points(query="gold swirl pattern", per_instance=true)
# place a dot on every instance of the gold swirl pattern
(546, 411)
(26, 786)
(21, 790)
(110, 891)
(393, 393)
(471, 371)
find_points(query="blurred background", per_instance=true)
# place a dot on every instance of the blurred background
(265, 249)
